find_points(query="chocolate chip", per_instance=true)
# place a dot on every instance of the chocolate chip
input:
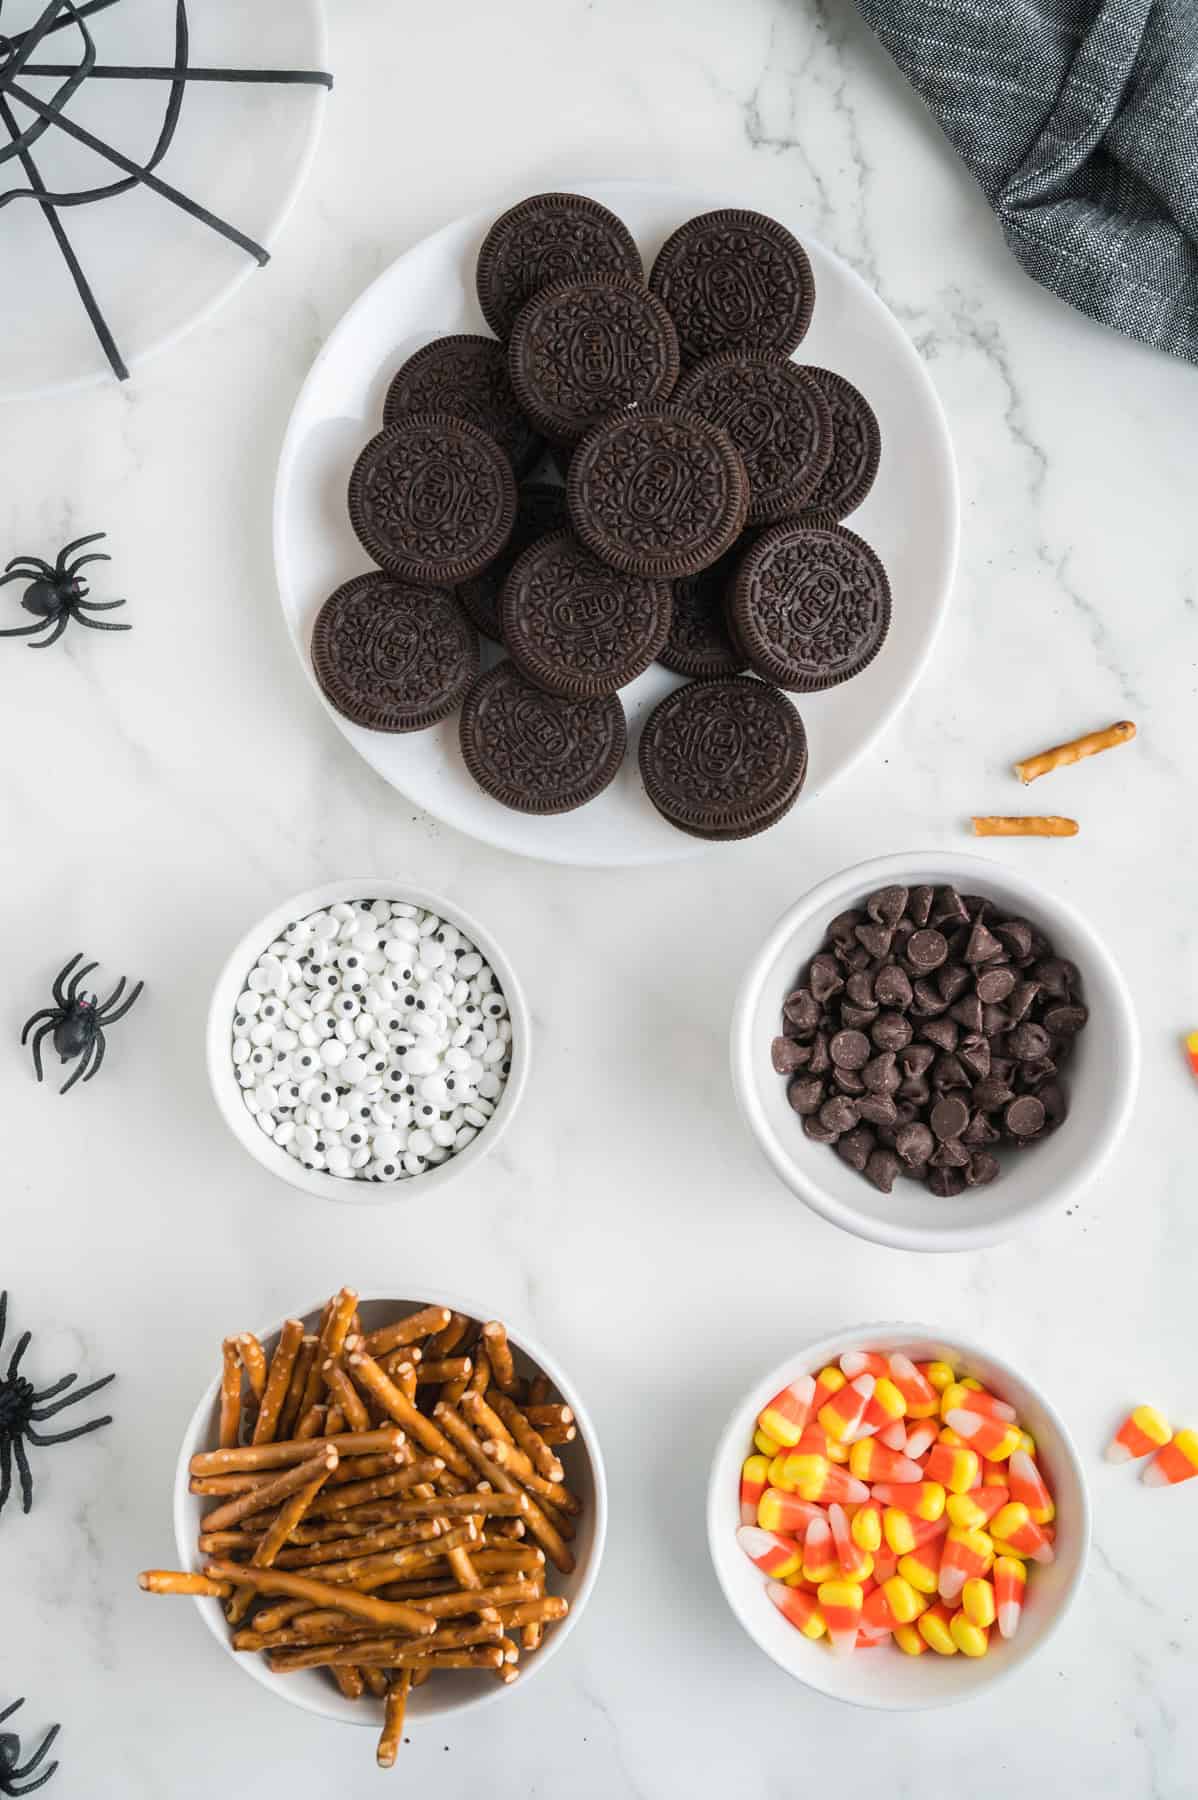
(847, 1081)
(1025, 1116)
(948, 1071)
(875, 939)
(887, 906)
(948, 908)
(892, 987)
(951, 1154)
(843, 926)
(787, 1056)
(880, 1074)
(881, 1169)
(983, 946)
(968, 1012)
(979, 1131)
(878, 1109)
(1016, 936)
(815, 1129)
(1052, 1098)
(801, 1012)
(926, 950)
(916, 1059)
(919, 904)
(825, 978)
(951, 981)
(820, 1062)
(991, 1094)
(1054, 976)
(855, 1147)
(838, 1114)
(1066, 1021)
(1028, 1042)
(1033, 1075)
(806, 1094)
(916, 1089)
(993, 985)
(973, 1053)
(858, 1017)
(941, 1032)
(983, 1167)
(927, 1001)
(849, 1049)
(860, 989)
(995, 1021)
(890, 1031)
(914, 1143)
(949, 1118)
(1002, 1067)
(1021, 998)
(946, 1183)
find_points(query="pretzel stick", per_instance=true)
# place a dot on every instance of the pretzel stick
(534, 1612)
(361, 1468)
(449, 1368)
(482, 1375)
(420, 1675)
(349, 1680)
(227, 1484)
(334, 1421)
(462, 1568)
(499, 1351)
(312, 1423)
(379, 1487)
(375, 1680)
(333, 1332)
(292, 1450)
(286, 1520)
(539, 1390)
(271, 1618)
(393, 1563)
(531, 1635)
(542, 1528)
(299, 1635)
(230, 1394)
(487, 1656)
(176, 1581)
(346, 1396)
(456, 1506)
(305, 1357)
(1032, 825)
(485, 1421)
(1061, 755)
(406, 1331)
(466, 1600)
(384, 1649)
(278, 1490)
(394, 1537)
(528, 1438)
(391, 1736)
(508, 1457)
(402, 1373)
(253, 1361)
(450, 1338)
(323, 1593)
(367, 1374)
(550, 1418)
(213, 1542)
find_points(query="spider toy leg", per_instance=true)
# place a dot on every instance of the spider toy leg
(37, 1757)
(76, 978)
(96, 625)
(115, 995)
(63, 621)
(37, 1048)
(31, 568)
(25, 1473)
(101, 605)
(56, 1388)
(41, 1413)
(46, 1012)
(84, 1060)
(68, 550)
(24, 631)
(101, 1046)
(104, 1017)
(10, 1710)
(56, 986)
(18, 1353)
(81, 562)
(5, 1489)
(42, 1438)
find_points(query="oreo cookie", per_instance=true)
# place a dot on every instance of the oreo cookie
(657, 492)
(583, 349)
(810, 606)
(537, 752)
(776, 416)
(735, 280)
(467, 378)
(540, 509)
(699, 642)
(856, 446)
(577, 627)
(432, 499)
(391, 657)
(548, 238)
(723, 759)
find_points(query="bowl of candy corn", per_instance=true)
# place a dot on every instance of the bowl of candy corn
(931, 1050)
(897, 1518)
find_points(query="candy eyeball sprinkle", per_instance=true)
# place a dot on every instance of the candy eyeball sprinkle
(371, 1041)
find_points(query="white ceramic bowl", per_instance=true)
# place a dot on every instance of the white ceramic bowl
(1101, 1079)
(223, 1076)
(885, 1678)
(312, 1689)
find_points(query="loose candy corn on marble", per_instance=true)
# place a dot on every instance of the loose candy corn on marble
(925, 1535)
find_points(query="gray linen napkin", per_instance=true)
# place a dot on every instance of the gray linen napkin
(1079, 120)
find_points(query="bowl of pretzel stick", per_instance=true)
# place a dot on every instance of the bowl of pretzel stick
(388, 1510)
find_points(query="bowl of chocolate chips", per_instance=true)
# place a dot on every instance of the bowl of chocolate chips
(931, 1049)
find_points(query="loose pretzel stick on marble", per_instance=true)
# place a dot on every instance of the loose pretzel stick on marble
(406, 1331)
(1061, 755)
(391, 1613)
(282, 1364)
(391, 1736)
(527, 1436)
(1031, 825)
(346, 1395)
(286, 1484)
(367, 1373)
(177, 1581)
(301, 1369)
(253, 1361)
(541, 1527)
(292, 1450)
(229, 1428)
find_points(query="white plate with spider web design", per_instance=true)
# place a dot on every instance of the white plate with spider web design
(910, 518)
(240, 150)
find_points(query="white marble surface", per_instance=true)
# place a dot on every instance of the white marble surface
(162, 789)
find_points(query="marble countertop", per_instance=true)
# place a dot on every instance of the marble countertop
(162, 790)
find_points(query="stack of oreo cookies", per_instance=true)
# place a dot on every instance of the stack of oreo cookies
(631, 470)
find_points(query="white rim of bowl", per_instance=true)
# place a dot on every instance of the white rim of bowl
(209, 1611)
(876, 872)
(815, 1356)
(220, 1064)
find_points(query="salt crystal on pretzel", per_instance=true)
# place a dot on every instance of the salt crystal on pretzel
(1061, 755)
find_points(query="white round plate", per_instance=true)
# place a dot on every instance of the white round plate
(910, 518)
(240, 150)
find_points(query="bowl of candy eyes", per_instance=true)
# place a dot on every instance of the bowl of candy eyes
(367, 1034)
(897, 1518)
(931, 1050)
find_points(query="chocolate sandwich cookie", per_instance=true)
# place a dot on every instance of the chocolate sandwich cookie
(540, 509)
(723, 759)
(583, 349)
(856, 446)
(433, 499)
(537, 752)
(548, 238)
(699, 643)
(778, 419)
(657, 492)
(735, 280)
(810, 606)
(391, 657)
(466, 377)
(577, 627)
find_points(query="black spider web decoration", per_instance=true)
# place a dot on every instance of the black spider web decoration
(19, 56)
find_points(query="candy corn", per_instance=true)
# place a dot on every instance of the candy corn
(778, 1511)
(958, 1470)
(754, 1478)
(784, 1417)
(886, 1406)
(966, 1554)
(764, 1444)
(843, 1413)
(855, 1563)
(990, 1437)
(1029, 1488)
(1142, 1432)
(910, 1640)
(870, 1460)
(921, 1397)
(829, 1381)
(935, 1628)
(920, 1438)
(867, 1526)
(894, 1435)
(1010, 1579)
(938, 1375)
(775, 1555)
(840, 1603)
(820, 1562)
(1175, 1462)
(975, 1509)
(967, 1394)
(970, 1639)
(921, 1499)
(904, 1532)
(815, 1478)
(977, 1601)
(922, 1567)
(864, 1362)
(1014, 1529)
(800, 1607)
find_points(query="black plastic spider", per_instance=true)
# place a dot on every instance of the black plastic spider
(78, 1022)
(10, 1750)
(21, 1408)
(57, 594)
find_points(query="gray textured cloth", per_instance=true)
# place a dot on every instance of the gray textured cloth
(1079, 119)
